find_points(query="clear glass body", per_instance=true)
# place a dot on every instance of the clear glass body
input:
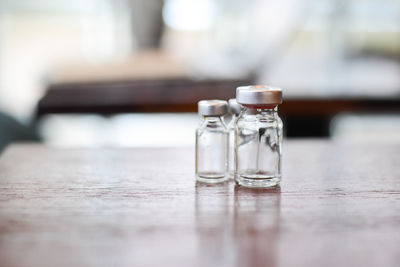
(231, 147)
(258, 143)
(211, 150)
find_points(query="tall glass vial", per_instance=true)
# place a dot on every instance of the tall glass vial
(212, 142)
(234, 110)
(258, 137)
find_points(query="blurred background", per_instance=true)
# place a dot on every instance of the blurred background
(130, 72)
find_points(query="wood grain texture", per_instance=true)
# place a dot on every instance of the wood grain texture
(338, 205)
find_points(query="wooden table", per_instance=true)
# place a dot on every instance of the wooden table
(338, 205)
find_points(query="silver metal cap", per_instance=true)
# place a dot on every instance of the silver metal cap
(261, 95)
(212, 107)
(234, 106)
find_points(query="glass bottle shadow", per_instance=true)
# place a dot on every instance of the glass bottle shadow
(214, 223)
(256, 220)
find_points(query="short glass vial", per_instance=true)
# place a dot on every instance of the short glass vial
(212, 142)
(258, 137)
(234, 110)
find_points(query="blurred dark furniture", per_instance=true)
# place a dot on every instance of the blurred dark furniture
(304, 117)
(161, 95)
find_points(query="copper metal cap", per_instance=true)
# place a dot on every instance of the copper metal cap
(259, 95)
(234, 106)
(212, 107)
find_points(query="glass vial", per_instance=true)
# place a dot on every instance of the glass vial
(212, 142)
(258, 137)
(234, 110)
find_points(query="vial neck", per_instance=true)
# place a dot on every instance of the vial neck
(231, 123)
(212, 122)
(212, 118)
(262, 111)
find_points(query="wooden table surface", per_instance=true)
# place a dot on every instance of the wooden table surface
(338, 205)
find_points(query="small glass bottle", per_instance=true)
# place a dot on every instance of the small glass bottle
(212, 142)
(258, 137)
(234, 110)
